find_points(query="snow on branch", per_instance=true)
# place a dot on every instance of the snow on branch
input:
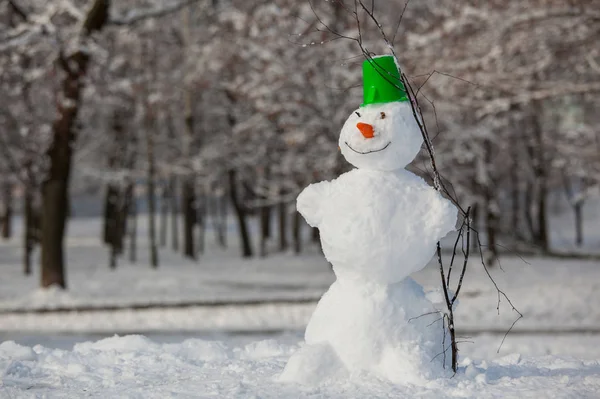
(499, 105)
(20, 38)
(37, 25)
(137, 15)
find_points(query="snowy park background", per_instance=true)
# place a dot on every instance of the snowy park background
(193, 125)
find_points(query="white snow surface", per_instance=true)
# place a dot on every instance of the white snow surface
(136, 367)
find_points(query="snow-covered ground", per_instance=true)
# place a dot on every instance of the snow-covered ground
(276, 292)
(136, 367)
(478, 346)
(191, 351)
(562, 225)
(219, 276)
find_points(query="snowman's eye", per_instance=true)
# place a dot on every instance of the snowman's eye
(383, 115)
(357, 114)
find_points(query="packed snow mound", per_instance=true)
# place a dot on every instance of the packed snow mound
(314, 364)
(392, 331)
(377, 226)
(136, 367)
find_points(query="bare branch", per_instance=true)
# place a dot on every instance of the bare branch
(135, 16)
(465, 254)
(399, 21)
(96, 17)
(423, 315)
(18, 10)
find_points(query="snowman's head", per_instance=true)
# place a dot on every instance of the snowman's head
(381, 136)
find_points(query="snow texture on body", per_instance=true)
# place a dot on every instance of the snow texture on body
(378, 224)
(391, 330)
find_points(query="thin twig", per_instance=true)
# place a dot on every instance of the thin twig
(312, 8)
(18, 10)
(399, 21)
(423, 315)
(435, 321)
(466, 255)
(460, 233)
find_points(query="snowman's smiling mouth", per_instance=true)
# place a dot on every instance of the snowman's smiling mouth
(367, 152)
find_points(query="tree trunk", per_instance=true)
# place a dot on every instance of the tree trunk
(576, 201)
(540, 166)
(55, 187)
(133, 228)
(491, 222)
(578, 208)
(6, 218)
(542, 220)
(297, 232)
(283, 243)
(117, 210)
(240, 212)
(489, 207)
(111, 225)
(151, 200)
(222, 221)
(164, 212)
(54, 214)
(109, 202)
(201, 222)
(189, 217)
(516, 142)
(188, 207)
(174, 214)
(124, 211)
(265, 229)
(118, 197)
(515, 194)
(475, 226)
(28, 229)
(528, 211)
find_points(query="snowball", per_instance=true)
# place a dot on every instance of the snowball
(312, 365)
(9, 350)
(379, 226)
(264, 349)
(389, 330)
(396, 142)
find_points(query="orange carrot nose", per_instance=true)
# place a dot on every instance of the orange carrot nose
(366, 130)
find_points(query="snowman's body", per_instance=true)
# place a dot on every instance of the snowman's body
(378, 224)
(371, 222)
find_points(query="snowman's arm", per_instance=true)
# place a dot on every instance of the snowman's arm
(445, 214)
(310, 202)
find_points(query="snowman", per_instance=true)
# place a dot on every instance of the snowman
(378, 224)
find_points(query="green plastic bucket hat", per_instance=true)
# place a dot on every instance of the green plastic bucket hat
(381, 81)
